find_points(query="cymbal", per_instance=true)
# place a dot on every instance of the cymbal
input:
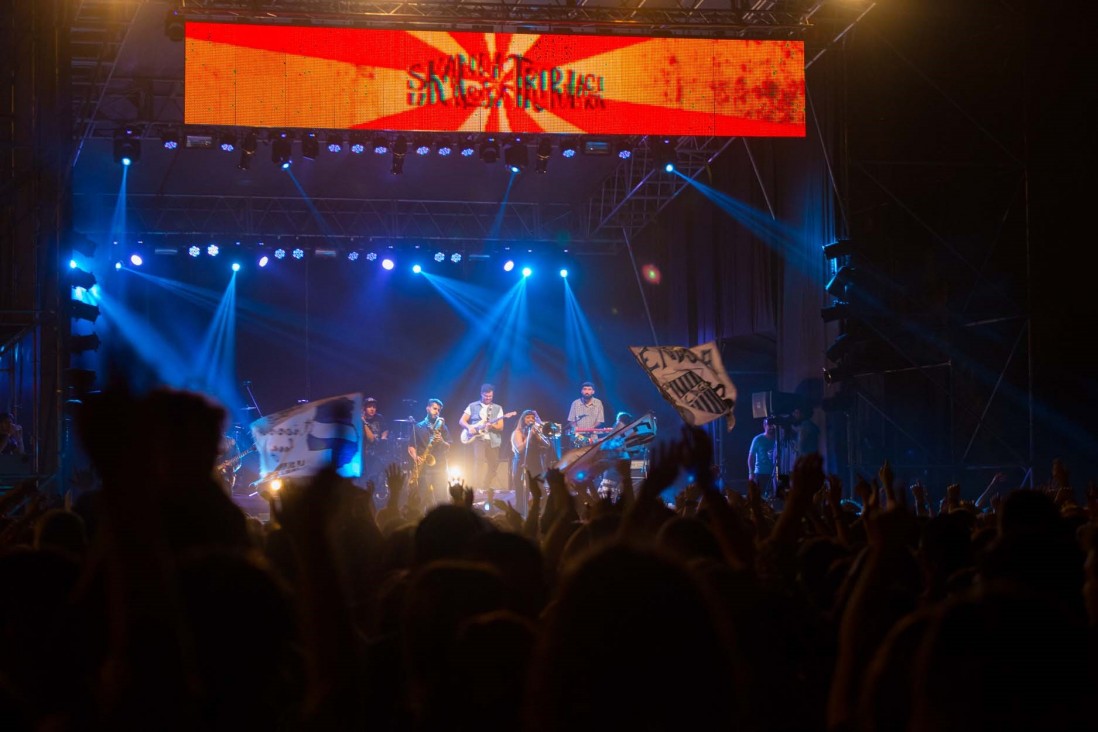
(248, 409)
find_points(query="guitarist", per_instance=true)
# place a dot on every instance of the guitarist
(482, 421)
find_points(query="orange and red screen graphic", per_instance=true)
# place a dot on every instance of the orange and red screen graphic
(353, 78)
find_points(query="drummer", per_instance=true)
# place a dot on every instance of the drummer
(584, 415)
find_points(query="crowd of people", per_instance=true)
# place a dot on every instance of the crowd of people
(150, 601)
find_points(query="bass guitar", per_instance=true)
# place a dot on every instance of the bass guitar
(479, 431)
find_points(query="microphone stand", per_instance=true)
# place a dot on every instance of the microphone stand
(248, 388)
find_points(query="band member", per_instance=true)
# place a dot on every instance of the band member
(11, 435)
(586, 413)
(428, 449)
(761, 458)
(482, 421)
(530, 448)
(375, 441)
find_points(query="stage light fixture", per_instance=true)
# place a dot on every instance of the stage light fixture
(310, 146)
(422, 144)
(489, 150)
(236, 266)
(80, 278)
(227, 142)
(526, 271)
(468, 146)
(352, 255)
(335, 143)
(117, 266)
(282, 148)
(381, 145)
(416, 269)
(371, 256)
(263, 261)
(127, 145)
(84, 311)
(508, 265)
(82, 343)
(545, 150)
(400, 149)
(280, 253)
(455, 257)
(298, 253)
(194, 251)
(564, 274)
(444, 146)
(516, 156)
(387, 263)
(213, 250)
(358, 142)
(440, 256)
(136, 260)
(170, 139)
(664, 153)
(174, 25)
(568, 147)
(624, 149)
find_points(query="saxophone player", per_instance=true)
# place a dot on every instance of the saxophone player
(428, 448)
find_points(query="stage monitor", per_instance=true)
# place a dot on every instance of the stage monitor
(433, 81)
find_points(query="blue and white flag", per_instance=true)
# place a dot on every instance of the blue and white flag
(302, 440)
(692, 379)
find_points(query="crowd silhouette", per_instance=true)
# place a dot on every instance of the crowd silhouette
(150, 601)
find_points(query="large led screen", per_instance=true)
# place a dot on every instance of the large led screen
(354, 78)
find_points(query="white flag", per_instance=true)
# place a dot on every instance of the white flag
(692, 379)
(302, 440)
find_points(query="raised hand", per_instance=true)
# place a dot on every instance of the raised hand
(394, 478)
(697, 452)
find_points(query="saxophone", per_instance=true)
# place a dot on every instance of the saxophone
(427, 459)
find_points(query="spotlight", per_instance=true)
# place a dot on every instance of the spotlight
(82, 343)
(400, 149)
(516, 156)
(381, 145)
(280, 253)
(80, 278)
(422, 144)
(247, 150)
(624, 149)
(212, 250)
(194, 251)
(117, 265)
(358, 142)
(170, 140)
(228, 142)
(127, 145)
(508, 265)
(468, 148)
(440, 256)
(352, 255)
(568, 147)
(371, 256)
(387, 263)
(545, 149)
(651, 274)
(665, 154)
(455, 257)
(136, 260)
(236, 266)
(174, 27)
(84, 311)
(416, 268)
(489, 150)
(526, 271)
(335, 143)
(298, 253)
(564, 274)
(282, 149)
(444, 146)
(263, 261)
(310, 146)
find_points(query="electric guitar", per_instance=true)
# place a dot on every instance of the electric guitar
(230, 465)
(479, 431)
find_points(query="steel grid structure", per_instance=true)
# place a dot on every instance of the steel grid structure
(627, 201)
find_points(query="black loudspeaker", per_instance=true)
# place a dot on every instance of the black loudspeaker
(773, 403)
